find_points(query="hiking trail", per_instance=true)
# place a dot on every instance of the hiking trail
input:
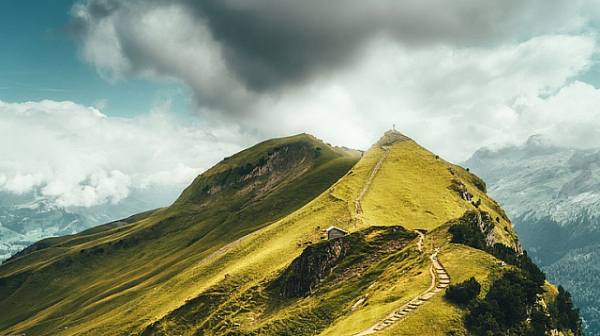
(439, 277)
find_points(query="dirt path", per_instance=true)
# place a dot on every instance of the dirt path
(357, 205)
(439, 277)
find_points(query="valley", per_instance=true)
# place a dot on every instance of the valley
(551, 194)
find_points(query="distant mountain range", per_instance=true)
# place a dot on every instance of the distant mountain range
(27, 218)
(552, 194)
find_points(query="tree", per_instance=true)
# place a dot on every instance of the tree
(463, 292)
(565, 315)
(540, 322)
(467, 234)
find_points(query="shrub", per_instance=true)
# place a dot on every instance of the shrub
(565, 315)
(463, 292)
(467, 235)
(479, 183)
(505, 306)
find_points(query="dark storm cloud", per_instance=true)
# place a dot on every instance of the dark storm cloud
(273, 43)
(103, 8)
(268, 44)
(96, 9)
(455, 72)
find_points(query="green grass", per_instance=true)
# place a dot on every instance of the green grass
(391, 279)
(412, 190)
(438, 316)
(119, 280)
(115, 278)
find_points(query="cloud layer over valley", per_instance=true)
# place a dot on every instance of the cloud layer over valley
(75, 156)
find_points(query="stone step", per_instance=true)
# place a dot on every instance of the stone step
(427, 296)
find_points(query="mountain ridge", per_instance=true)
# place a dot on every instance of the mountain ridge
(233, 232)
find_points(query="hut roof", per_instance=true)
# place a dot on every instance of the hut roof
(336, 228)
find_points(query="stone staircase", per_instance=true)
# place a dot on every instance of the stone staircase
(442, 280)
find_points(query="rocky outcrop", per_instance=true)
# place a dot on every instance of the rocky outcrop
(461, 189)
(306, 272)
(257, 178)
(486, 226)
(339, 259)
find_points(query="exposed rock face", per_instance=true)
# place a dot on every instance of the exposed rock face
(353, 254)
(254, 179)
(486, 226)
(315, 263)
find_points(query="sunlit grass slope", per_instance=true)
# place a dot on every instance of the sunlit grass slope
(273, 249)
(439, 316)
(119, 276)
(382, 265)
(185, 270)
(413, 188)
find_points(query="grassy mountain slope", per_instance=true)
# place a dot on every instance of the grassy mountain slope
(215, 265)
(119, 275)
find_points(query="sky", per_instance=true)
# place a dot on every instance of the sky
(102, 97)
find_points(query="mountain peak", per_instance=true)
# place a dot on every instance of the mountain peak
(390, 137)
(244, 247)
(537, 141)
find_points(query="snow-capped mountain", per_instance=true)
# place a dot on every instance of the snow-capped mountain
(552, 195)
(538, 180)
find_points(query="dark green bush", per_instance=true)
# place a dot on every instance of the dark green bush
(506, 303)
(467, 235)
(463, 292)
(565, 315)
(510, 306)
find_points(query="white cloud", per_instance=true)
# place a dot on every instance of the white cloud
(570, 118)
(474, 74)
(453, 101)
(160, 43)
(76, 156)
(21, 183)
